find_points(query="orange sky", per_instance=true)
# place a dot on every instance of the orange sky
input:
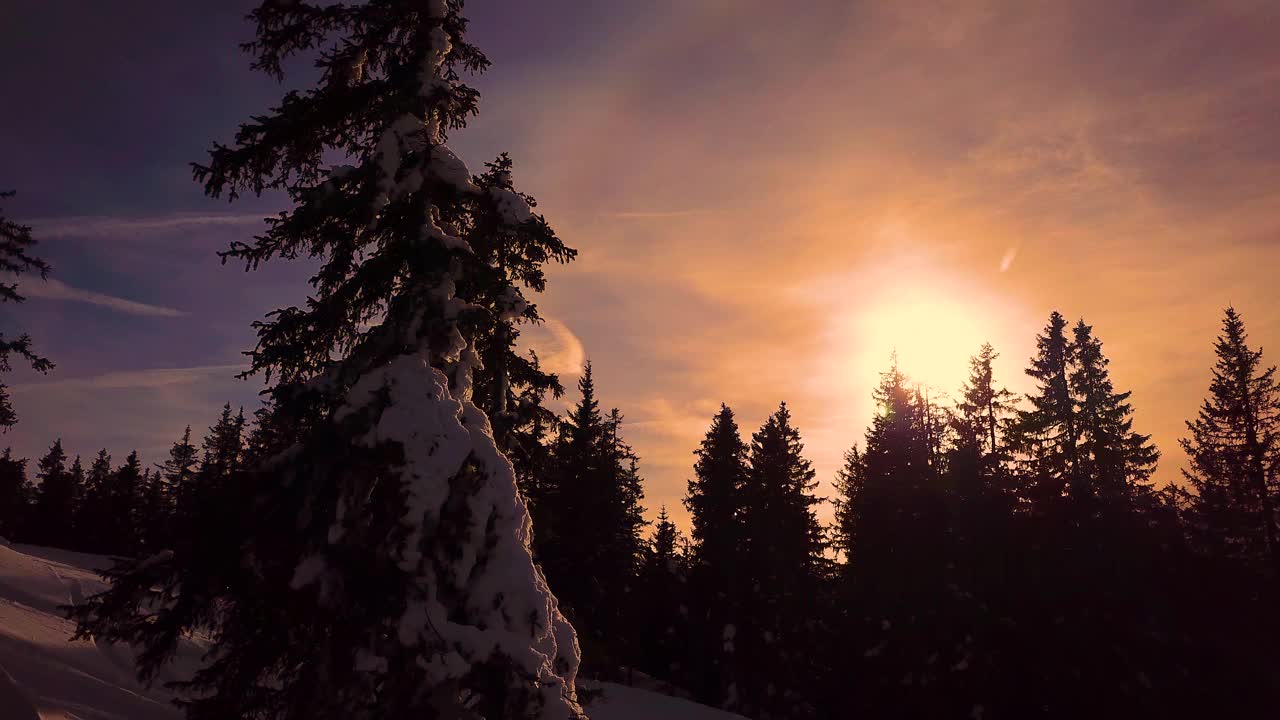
(768, 202)
(768, 199)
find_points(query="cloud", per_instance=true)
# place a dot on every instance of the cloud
(101, 226)
(122, 411)
(652, 214)
(153, 378)
(559, 349)
(1006, 262)
(53, 289)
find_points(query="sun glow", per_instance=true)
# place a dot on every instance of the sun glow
(934, 324)
(932, 336)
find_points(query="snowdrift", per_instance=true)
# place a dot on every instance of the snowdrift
(46, 676)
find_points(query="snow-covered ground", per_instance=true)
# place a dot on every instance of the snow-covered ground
(45, 675)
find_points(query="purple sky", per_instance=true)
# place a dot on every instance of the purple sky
(767, 202)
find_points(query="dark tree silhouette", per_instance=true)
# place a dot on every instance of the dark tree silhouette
(783, 569)
(378, 545)
(57, 494)
(16, 259)
(592, 544)
(1234, 447)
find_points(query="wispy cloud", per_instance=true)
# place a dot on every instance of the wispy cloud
(559, 349)
(54, 289)
(1006, 262)
(652, 214)
(153, 378)
(102, 226)
(144, 410)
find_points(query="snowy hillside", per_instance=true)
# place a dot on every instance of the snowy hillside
(43, 675)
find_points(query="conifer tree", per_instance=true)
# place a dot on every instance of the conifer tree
(121, 508)
(1234, 448)
(92, 515)
(907, 620)
(379, 563)
(177, 484)
(203, 496)
(900, 501)
(714, 500)
(850, 480)
(715, 496)
(661, 612)
(155, 512)
(1046, 435)
(512, 387)
(15, 496)
(783, 547)
(1116, 460)
(591, 551)
(16, 260)
(57, 495)
(980, 450)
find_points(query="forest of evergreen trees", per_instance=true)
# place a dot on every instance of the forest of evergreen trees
(404, 526)
(1003, 556)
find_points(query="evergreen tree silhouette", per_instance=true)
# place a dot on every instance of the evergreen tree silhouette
(92, 520)
(57, 495)
(851, 479)
(783, 567)
(1234, 448)
(714, 500)
(1046, 436)
(511, 387)
(15, 496)
(980, 451)
(382, 554)
(16, 259)
(905, 625)
(661, 611)
(592, 548)
(1118, 461)
(177, 486)
(122, 508)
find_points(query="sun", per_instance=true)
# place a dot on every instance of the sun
(935, 323)
(933, 337)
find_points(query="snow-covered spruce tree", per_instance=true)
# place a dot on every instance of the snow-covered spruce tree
(379, 564)
(16, 259)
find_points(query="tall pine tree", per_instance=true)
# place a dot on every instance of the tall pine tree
(377, 565)
(714, 500)
(592, 544)
(783, 565)
(15, 496)
(660, 609)
(1234, 448)
(1117, 460)
(122, 508)
(92, 517)
(980, 451)
(1046, 435)
(57, 497)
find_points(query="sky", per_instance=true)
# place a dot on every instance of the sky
(767, 202)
